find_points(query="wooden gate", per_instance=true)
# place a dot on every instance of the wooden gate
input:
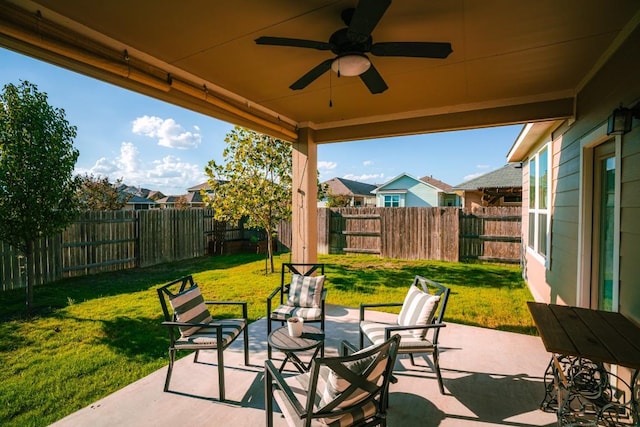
(491, 234)
(354, 230)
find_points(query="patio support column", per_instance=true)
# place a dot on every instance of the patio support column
(304, 224)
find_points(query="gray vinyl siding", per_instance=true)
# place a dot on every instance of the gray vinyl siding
(630, 225)
(618, 82)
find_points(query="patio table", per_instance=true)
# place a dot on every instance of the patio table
(311, 338)
(584, 340)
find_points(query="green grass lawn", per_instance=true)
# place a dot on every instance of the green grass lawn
(93, 335)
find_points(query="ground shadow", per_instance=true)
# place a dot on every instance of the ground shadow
(497, 398)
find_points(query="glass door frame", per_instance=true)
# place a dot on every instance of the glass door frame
(587, 198)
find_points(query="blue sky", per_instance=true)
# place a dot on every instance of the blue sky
(155, 145)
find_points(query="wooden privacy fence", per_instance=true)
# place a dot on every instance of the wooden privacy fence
(443, 233)
(491, 234)
(110, 241)
(117, 240)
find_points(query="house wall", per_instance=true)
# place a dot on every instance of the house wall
(472, 199)
(418, 194)
(617, 82)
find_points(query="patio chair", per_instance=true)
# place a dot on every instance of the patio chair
(349, 390)
(301, 293)
(191, 327)
(422, 312)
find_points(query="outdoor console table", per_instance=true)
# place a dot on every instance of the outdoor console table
(578, 385)
(311, 338)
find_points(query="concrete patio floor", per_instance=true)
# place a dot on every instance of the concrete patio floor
(492, 378)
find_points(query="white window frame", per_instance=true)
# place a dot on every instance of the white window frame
(533, 247)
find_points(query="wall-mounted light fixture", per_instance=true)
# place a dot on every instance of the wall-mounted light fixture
(621, 120)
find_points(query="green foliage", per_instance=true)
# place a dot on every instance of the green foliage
(338, 201)
(96, 193)
(37, 158)
(254, 183)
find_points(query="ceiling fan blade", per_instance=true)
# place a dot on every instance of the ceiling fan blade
(313, 74)
(365, 18)
(412, 49)
(285, 41)
(373, 80)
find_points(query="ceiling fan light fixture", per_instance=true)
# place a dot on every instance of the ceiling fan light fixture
(350, 65)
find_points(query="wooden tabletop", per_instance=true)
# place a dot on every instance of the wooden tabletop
(601, 336)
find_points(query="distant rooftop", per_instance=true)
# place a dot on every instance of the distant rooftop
(338, 186)
(437, 183)
(510, 175)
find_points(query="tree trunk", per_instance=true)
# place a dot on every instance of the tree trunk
(270, 248)
(28, 269)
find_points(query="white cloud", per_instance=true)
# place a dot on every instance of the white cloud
(367, 163)
(327, 165)
(483, 166)
(169, 133)
(171, 175)
(365, 177)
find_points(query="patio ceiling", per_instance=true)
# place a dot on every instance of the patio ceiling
(512, 61)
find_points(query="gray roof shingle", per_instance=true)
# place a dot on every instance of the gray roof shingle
(510, 175)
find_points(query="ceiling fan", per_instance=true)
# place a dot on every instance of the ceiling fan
(351, 44)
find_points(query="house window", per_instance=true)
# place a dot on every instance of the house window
(392, 201)
(539, 184)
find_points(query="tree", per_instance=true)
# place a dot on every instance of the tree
(37, 158)
(254, 183)
(96, 193)
(181, 203)
(338, 200)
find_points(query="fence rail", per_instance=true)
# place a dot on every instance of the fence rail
(443, 233)
(111, 241)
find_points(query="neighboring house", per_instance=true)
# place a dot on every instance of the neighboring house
(193, 198)
(502, 187)
(139, 203)
(447, 197)
(408, 191)
(359, 193)
(581, 194)
(189, 200)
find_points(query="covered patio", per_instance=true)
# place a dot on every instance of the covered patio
(505, 63)
(491, 378)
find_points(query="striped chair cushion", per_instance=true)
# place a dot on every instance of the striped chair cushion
(283, 312)
(189, 307)
(375, 332)
(300, 385)
(418, 309)
(336, 386)
(231, 328)
(305, 291)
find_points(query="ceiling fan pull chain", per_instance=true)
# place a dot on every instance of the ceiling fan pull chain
(330, 91)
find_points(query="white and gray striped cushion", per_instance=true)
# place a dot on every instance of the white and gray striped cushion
(418, 309)
(189, 307)
(299, 385)
(305, 291)
(231, 328)
(375, 332)
(283, 312)
(336, 385)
